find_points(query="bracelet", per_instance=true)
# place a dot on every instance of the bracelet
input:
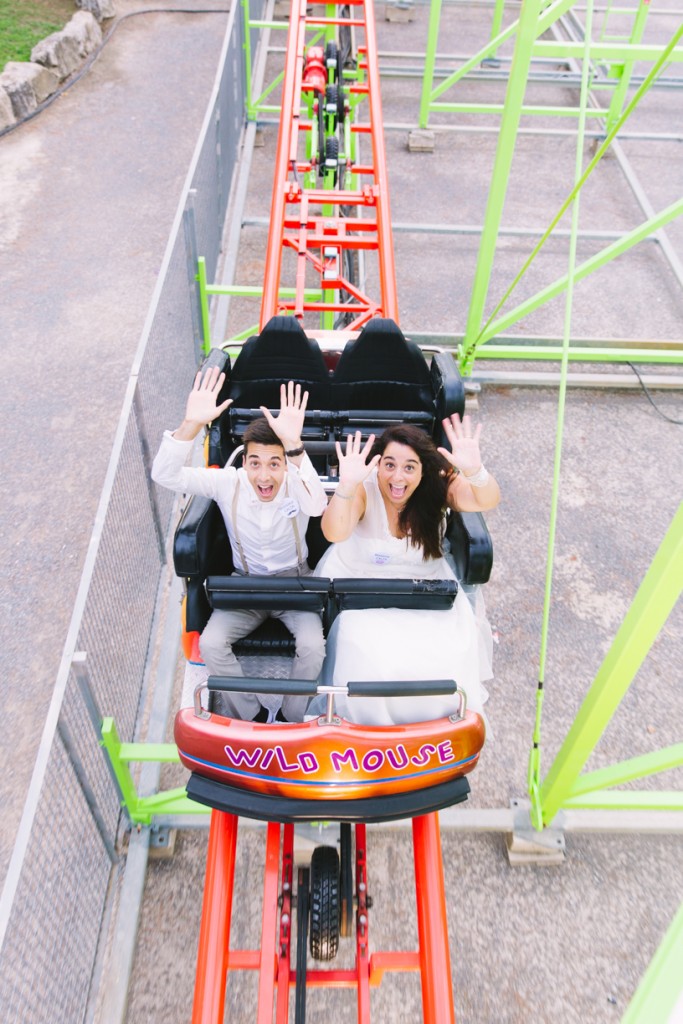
(478, 479)
(344, 497)
(294, 452)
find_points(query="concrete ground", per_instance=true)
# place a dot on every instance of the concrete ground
(86, 208)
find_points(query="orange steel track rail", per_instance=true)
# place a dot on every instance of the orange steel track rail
(273, 958)
(306, 220)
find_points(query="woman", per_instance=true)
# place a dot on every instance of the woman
(386, 520)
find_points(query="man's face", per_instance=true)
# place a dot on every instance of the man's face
(265, 465)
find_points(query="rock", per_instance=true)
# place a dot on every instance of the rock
(7, 117)
(59, 52)
(85, 31)
(101, 9)
(27, 85)
(401, 12)
(421, 140)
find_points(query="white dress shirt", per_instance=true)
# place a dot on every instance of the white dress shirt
(265, 532)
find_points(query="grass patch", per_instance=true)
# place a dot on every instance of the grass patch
(23, 23)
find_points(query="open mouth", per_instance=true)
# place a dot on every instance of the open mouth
(397, 492)
(266, 490)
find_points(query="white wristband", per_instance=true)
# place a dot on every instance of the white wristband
(478, 479)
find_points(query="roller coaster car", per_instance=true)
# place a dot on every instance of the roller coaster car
(378, 378)
(327, 767)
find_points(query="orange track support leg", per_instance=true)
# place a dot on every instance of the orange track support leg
(214, 935)
(432, 925)
(269, 929)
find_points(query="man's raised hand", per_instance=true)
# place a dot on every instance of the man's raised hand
(290, 421)
(201, 405)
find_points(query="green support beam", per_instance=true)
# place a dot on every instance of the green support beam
(625, 70)
(474, 336)
(243, 291)
(650, 609)
(509, 123)
(589, 266)
(626, 771)
(531, 352)
(606, 53)
(526, 31)
(142, 809)
(659, 996)
(431, 93)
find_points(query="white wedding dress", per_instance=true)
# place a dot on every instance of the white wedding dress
(390, 643)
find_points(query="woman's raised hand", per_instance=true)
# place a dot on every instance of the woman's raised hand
(201, 405)
(464, 441)
(290, 421)
(353, 465)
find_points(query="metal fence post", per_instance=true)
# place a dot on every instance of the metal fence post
(147, 466)
(191, 255)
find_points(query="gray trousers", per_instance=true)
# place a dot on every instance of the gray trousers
(224, 628)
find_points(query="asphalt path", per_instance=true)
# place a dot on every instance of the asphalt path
(88, 192)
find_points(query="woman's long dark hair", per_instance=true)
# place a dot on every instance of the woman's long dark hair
(420, 518)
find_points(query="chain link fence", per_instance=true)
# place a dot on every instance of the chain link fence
(55, 894)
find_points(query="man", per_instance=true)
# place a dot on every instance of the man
(266, 506)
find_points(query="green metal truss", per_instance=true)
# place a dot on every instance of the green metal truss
(610, 62)
(658, 997)
(141, 810)
(563, 786)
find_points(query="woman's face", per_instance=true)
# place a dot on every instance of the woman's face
(399, 473)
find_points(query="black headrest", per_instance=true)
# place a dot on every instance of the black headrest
(280, 353)
(380, 369)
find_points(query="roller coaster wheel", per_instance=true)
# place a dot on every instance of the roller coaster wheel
(332, 58)
(332, 101)
(325, 915)
(332, 156)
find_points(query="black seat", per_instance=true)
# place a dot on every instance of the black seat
(280, 353)
(383, 378)
(381, 370)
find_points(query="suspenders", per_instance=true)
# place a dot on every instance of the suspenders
(295, 527)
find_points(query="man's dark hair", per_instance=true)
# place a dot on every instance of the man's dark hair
(260, 432)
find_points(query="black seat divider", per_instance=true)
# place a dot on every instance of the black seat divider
(267, 807)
